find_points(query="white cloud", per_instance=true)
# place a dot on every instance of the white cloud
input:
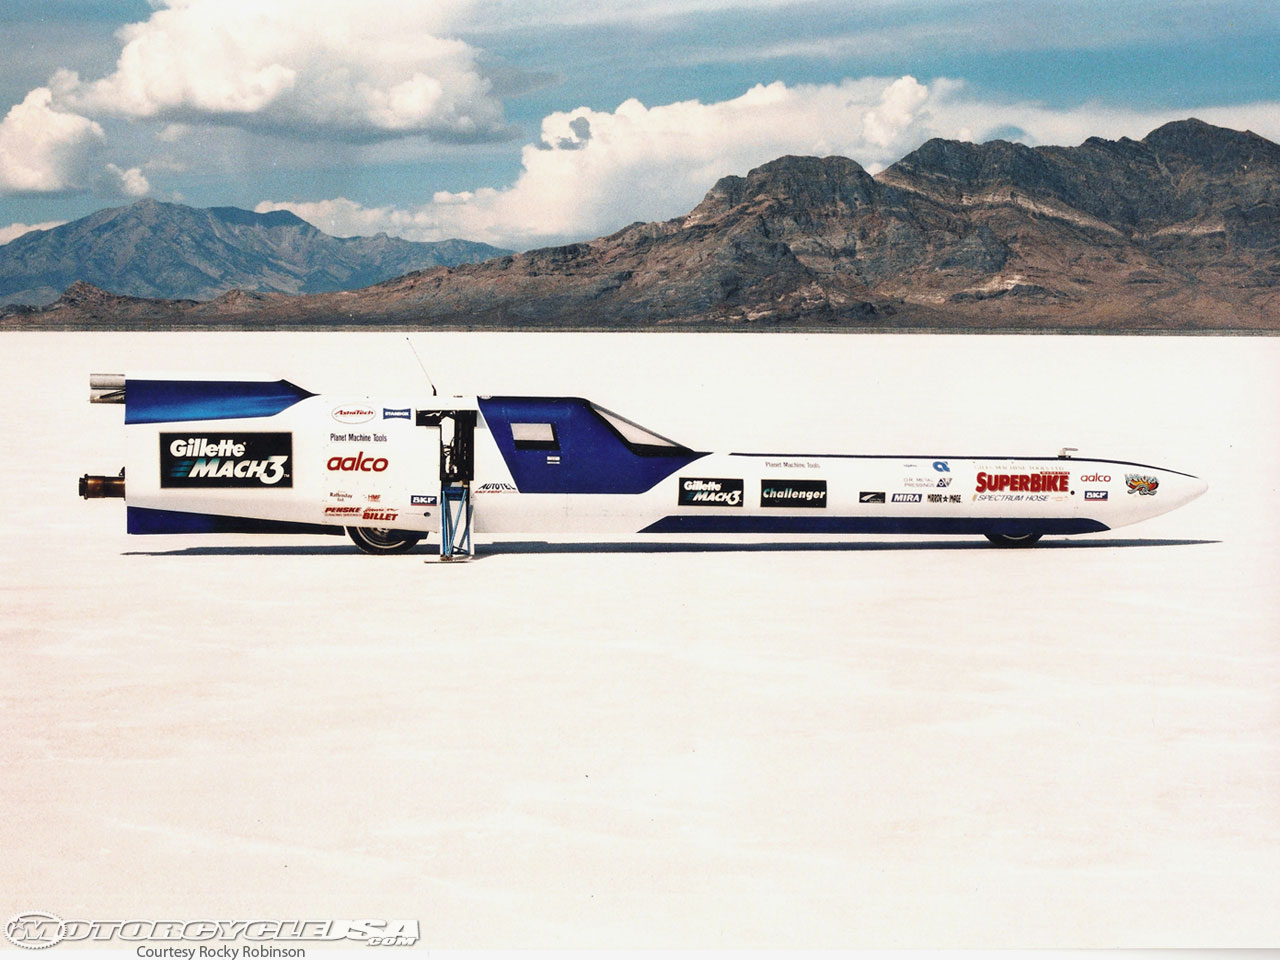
(593, 172)
(15, 230)
(44, 149)
(323, 68)
(115, 182)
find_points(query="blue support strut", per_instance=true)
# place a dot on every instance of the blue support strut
(455, 519)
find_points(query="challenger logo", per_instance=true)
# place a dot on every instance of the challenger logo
(226, 460)
(1043, 482)
(1142, 484)
(793, 493)
(710, 493)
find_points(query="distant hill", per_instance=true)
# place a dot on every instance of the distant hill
(171, 251)
(1177, 231)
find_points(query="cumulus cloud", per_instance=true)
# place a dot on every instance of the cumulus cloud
(15, 230)
(591, 172)
(329, 68)
(44, 149)
(115, 182)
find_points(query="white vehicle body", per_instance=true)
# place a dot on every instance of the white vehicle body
(251, 455)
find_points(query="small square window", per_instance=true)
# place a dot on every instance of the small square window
(534, 436)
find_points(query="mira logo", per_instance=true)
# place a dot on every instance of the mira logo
(710, 493)
(35, 930)
(353, 414)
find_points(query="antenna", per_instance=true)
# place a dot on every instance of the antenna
(421, 364)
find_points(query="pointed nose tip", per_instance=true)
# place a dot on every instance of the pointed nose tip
(1198, 487)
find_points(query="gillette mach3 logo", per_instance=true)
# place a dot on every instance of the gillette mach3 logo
(226, 460)
(710, 493)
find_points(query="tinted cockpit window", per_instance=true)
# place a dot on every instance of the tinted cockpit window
(534, 436)
(636, 437)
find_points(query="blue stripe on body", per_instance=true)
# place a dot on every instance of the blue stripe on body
(144, 520)
(1009, 526)
(169, 401)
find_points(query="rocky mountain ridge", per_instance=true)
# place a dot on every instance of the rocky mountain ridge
(1179, 231)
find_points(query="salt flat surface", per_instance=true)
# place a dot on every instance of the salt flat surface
(884, 742)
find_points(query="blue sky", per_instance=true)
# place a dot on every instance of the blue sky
(526, 122)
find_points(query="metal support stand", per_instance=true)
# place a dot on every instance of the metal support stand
(455, 520)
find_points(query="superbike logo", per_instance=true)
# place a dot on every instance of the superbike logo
(226, 460)
(1044, 482)
(710, 493)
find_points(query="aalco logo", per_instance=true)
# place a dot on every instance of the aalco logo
(354, 414)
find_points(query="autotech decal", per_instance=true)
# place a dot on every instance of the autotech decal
(1046, 481)
(1141, 483)
(354, 414)
(793, 493)
(695, 492)
(226, 460)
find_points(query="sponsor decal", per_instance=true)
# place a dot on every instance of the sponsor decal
(906, 498)
(354, 414)
(793, 493)
(342, 511)
(374, 498)
(358, 463)
(941, 466)
(339, 495)
(1095, 494)
(871, 496)
(792, 464)
(424, 500)
(1043, 482)
(944, 498)
(226, 460)
(944, 481)
(395, 413)
(357, 438)
(1141, 483)
(695, 492)
(1096, 478)
(38, 930)
(378, 513)
(553, 459)
(496, 488)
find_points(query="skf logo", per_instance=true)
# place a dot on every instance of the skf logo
(906, 498)
(423, 499)
(710, 493)
(1141, 483)
(35, 930)
(359, 463)
(396, 414)
(354, 414)
(1095, 494)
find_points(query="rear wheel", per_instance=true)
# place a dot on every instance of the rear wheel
(1010, 540)
(383, 540)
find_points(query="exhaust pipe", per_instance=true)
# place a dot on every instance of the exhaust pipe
(106, 388)
(102, 488)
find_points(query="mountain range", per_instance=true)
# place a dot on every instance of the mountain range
(1177, 231)
(172, 251)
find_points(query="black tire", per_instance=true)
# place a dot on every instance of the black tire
(1011, 540)
(381, 541)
